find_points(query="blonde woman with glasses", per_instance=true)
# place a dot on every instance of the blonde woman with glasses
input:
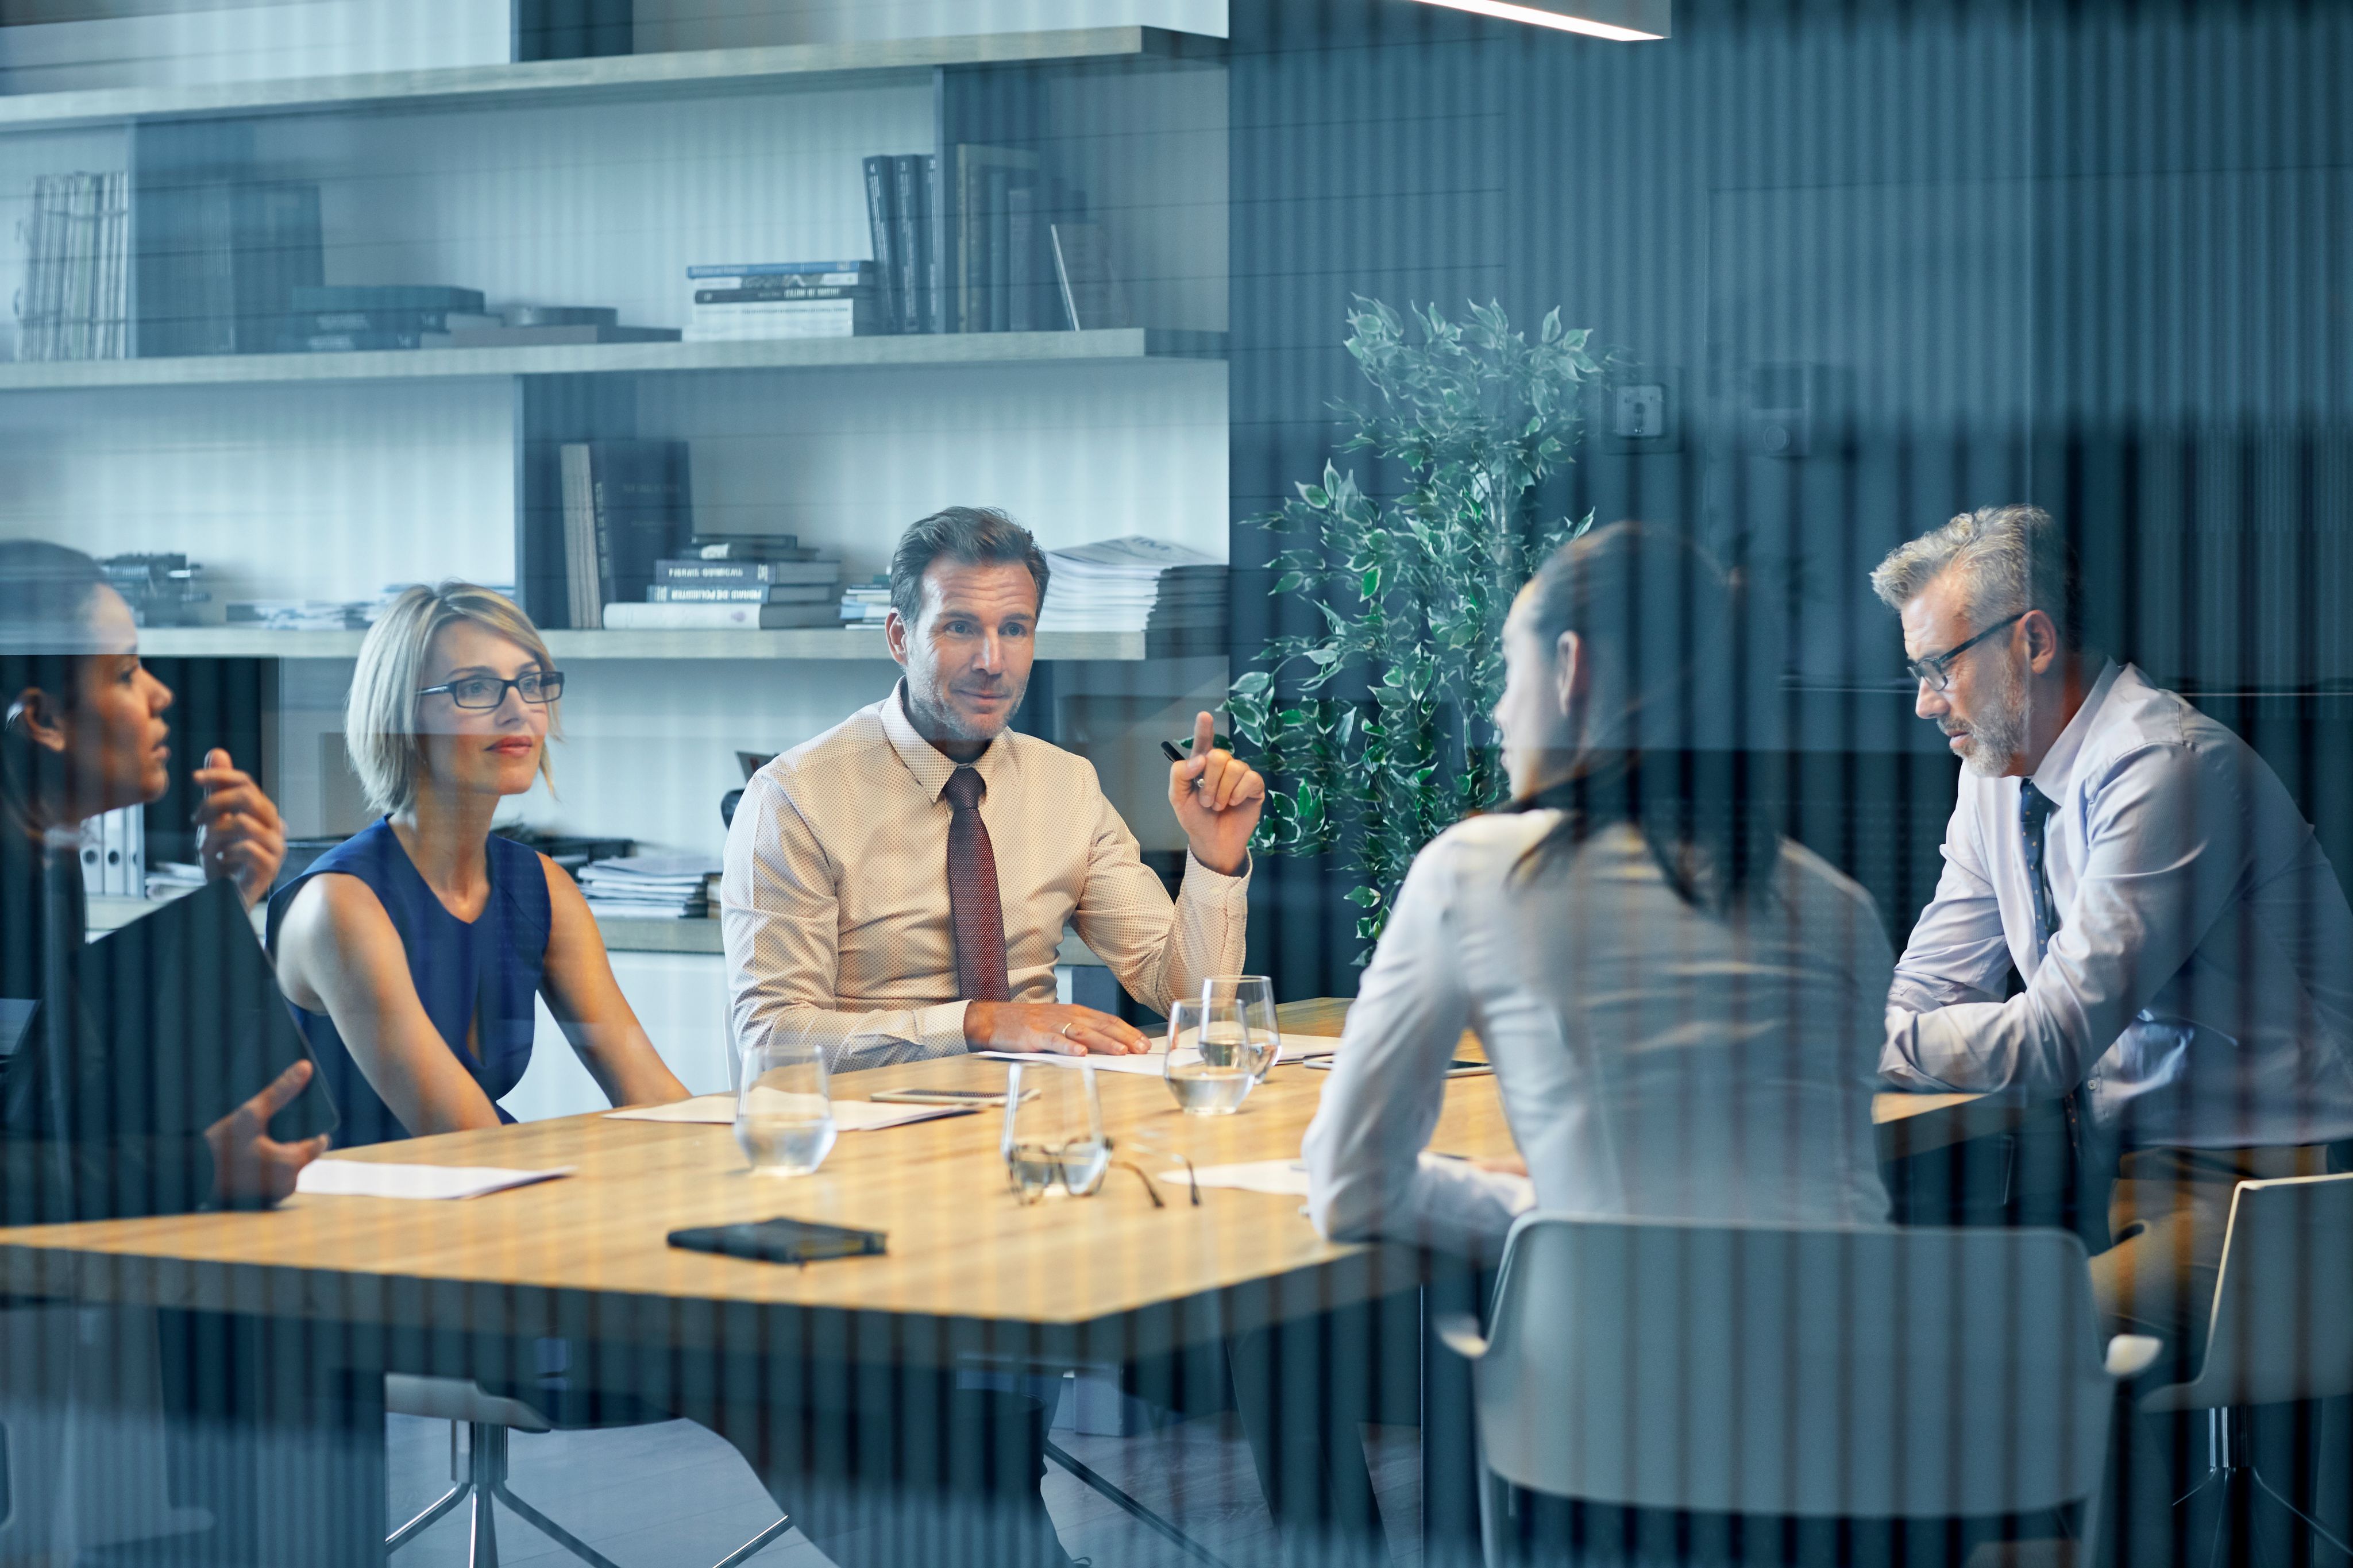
(412, 952)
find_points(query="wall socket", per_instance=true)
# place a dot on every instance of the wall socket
(1641, 413)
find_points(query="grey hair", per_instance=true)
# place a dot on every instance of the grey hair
(2008, 559)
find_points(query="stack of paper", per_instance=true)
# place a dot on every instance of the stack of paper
(648, 887)
(1132, 585)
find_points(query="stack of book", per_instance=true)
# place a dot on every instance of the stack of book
(303, 614)
(738, 302)
(342, 318)
(753, 583)
(1132, 585)
(75, 303)
(867, 601)
(650, 887)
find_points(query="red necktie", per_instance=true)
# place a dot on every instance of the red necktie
(973, 907)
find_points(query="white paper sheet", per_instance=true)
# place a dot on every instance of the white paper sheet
(1283, 1178)
(849, 1115)
(1154, 1064)
(367, 1179)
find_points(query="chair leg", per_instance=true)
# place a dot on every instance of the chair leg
(1105, 1487)
(553, 1530)
(489, 1471)
(741, 1553)
(463, 1484)
(2310, 1523)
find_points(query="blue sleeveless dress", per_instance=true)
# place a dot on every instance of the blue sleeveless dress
(481, 975)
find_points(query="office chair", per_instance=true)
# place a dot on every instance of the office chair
(1834, 1373)
(482, 1474)
(2282, 1328)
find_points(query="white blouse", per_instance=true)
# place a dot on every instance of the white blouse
(1655, 1060)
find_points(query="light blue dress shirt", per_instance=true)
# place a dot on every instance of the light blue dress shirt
(2200, 984)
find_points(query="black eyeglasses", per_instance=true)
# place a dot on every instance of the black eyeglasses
(537, 686)
(1935, 670)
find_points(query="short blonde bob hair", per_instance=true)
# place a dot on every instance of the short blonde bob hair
(380, 716)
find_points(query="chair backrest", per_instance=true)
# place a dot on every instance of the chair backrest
(1751, 1369)
(2282, 1323)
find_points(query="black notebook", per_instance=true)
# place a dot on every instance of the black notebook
(186, 1023)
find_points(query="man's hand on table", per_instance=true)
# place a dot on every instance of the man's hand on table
(1217, 798)
(1050, 1026)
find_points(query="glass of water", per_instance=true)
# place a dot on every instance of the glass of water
(784, 1111)
(1211, 1065)
(1053, 1130)
(1254, 994)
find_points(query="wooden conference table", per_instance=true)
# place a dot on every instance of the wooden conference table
(375, 1283)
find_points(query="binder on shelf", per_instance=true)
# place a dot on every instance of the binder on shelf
(221, 264)
(627, 505)
(882, 225)
(1090, 292)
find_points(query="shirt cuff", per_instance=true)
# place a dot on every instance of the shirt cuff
(939, 1030)
(1218, 883)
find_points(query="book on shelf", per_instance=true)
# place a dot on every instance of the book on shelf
(530, 337)
(379, 297)
(748, 547)
(1093, 298)
(911, 245)
(75, 301)
(779, 274)
(741, 593)
(627, 505)
(867, 601)
(811, 319)
(736, 573)
(648, 887)
(882, 227)
(644, 618)
(221, 264)
(307, 322)
(983, 174)
(346, 343)
(789, 293)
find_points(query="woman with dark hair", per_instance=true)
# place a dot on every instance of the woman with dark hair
(84, 734)
(1684, 1009)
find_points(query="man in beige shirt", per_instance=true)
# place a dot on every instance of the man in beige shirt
(859, 902)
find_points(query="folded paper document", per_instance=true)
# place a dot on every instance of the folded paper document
(368, 1179)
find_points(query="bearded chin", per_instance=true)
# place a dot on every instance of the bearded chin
(2000, 733)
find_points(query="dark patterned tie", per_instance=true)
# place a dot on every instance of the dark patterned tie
(2034, 809)
(973, 907)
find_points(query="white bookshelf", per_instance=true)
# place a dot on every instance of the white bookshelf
(814, 644)
(614, 79)
(931, 351)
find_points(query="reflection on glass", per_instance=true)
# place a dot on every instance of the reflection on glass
(1053, 1130)
(784, 1113)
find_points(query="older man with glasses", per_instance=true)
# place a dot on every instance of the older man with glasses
(2182, 940)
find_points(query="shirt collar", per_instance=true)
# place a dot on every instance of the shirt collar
(930, 765)
(2059, 761)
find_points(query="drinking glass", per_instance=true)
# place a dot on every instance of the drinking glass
(1053, 1130)
(1212, 1065)
(1254, 994)
(784, 1111)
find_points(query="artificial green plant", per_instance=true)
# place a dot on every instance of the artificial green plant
(1374, 731)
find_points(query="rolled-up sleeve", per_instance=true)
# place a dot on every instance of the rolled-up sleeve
(1367, 1172)
(780, 921)
(1160, 951)
(2167, 851)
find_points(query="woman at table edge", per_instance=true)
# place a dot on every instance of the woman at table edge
(1684, 1009)
(412, 952)
(84, 734)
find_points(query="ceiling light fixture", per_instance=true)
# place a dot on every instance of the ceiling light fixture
(1622, 21)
